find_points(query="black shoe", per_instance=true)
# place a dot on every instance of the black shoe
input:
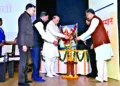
(23, 84)
(79, 74)
(28, 81)
(91, 75)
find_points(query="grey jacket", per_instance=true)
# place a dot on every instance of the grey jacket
(25, 30)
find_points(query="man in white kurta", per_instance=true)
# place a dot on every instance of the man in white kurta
(50, 51)
(101, 43)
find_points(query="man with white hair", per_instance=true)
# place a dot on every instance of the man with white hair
(50, 51)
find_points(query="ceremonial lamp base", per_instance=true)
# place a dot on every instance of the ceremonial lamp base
(70, 71)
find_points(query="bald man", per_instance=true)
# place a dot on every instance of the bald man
(50, 51)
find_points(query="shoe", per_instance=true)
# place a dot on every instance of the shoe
(49, 75)
(40, 76)
(91, 75)
(98, 79)
(38, 79)
(23, 84)
(105, 80)
(54, 74)
(28, 81)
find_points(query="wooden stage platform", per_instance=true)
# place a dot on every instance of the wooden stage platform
(58, 81)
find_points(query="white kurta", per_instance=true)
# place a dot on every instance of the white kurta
(53, 32)
(39, 26)
(103, 52)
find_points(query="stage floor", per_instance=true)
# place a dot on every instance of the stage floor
(58, 81)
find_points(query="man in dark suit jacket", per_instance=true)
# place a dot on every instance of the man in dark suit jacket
(25, 41)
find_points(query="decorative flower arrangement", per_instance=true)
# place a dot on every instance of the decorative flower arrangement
(73, 54)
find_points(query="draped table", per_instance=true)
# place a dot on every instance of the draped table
(82, 67)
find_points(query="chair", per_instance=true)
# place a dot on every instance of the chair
(11, 62)
(7, 63)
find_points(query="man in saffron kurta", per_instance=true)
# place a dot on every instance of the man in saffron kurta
(101, 43)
